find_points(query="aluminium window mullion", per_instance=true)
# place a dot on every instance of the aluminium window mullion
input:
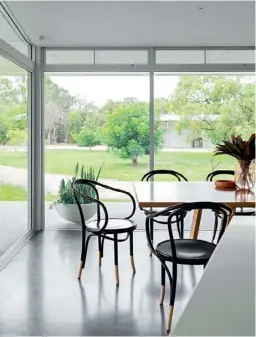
(151, 58)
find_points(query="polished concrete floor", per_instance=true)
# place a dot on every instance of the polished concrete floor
(13, 220)
(40, 293)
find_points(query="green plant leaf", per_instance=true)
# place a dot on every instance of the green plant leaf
(65, 193)
(76, 170)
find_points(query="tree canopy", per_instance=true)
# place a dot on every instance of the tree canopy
(13, 110)
(215, 107)
(126, 130)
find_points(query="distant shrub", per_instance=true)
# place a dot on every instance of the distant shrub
(87, 138)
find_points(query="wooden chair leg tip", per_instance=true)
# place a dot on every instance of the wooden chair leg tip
(169, 321)
(80, 270)
(100, 257)
(117, 275)
(162, 295)
(133, 265)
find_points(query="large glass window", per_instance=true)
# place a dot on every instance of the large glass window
(197, 111)
(179, 56)
(99, 121)
(110, 57)
(121, 57)
(13, 153)
(69, 57)
(230, 56)
(12, 37)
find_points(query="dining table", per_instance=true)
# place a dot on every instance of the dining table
(223, 301)
(161, 194)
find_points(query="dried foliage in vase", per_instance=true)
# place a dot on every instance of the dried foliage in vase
(244, 152)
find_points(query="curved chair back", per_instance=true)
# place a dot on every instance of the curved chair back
(221, 211)
(172, 173)
(80, 190)
(219, 172)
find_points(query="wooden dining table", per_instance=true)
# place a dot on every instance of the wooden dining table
(164, 194)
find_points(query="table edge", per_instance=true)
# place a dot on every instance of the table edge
(162, 204)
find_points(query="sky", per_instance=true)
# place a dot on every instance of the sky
(100, 88)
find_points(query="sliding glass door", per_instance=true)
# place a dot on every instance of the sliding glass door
(13, 153)
(99, 121)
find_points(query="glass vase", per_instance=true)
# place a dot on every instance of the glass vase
(245, 175)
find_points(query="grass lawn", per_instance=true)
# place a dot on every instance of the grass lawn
(194, 165)
(17, 193)
(12, 193)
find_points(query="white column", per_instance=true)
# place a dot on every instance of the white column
(37, 142)
(151, 108)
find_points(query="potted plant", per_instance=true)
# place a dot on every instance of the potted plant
(244, 152)
(66, 205)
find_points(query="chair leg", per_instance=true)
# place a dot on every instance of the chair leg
(169, 320)
(99, 249)
(82, 254)
(151, 234)
(85, 244)
(102, 246)
(116, 259)
(173, 282)
(182, 227)
(151, 230)
(215, 227)
(162, 283)
(131, 252)
(178, 226)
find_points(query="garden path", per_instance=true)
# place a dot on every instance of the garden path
(18, 176)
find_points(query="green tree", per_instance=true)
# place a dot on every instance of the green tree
(215, 106)
(87, 137)
(17, 137)
(13, 123)
(126, 130)
(84, 115)
(13, 107)
(58, 103)
(13, 90)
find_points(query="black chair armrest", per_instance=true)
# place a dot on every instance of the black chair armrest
(93, 200)
(118, 190)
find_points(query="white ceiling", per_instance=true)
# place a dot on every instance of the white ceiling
(137, 23)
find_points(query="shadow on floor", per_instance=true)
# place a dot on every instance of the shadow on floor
(40, 293)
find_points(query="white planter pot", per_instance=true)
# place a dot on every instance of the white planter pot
(71, 213)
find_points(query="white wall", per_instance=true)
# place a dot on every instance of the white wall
(173, 139)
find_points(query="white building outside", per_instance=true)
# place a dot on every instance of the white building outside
(184, 139)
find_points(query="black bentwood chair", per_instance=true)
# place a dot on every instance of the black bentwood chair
(184, 251)
(212, 175)
(147, 176)
(104, 227)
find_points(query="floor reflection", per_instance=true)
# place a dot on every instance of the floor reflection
(40, 293)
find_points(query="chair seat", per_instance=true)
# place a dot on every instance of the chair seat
(114, 225)
(188, 251)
